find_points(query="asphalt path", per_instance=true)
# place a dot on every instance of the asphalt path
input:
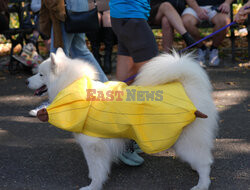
(37, 156)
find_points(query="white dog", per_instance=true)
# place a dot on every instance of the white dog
(194, 144)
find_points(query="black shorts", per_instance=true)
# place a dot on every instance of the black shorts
(135, 38)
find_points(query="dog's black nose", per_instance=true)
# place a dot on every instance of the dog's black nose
(27, 82)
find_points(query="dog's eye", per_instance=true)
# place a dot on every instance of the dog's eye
(41, 75)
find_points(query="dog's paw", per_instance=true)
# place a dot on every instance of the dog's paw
(198, 188)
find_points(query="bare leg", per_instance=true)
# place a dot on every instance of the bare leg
(167, 34)
(190, 23)
(126, 67)
(167, 10)
(219, 20)
(106, 19)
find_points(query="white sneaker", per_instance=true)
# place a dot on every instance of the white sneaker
(202, 57)
(33, 112)
(214, 60)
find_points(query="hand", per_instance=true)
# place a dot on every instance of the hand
(202, 14)
(242, 14)
(224, 8)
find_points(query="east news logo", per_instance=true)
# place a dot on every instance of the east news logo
(129, 95)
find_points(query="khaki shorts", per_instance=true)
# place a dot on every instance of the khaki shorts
(135, 38)
(210, 12)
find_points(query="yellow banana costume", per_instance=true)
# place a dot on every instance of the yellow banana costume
(153, 116)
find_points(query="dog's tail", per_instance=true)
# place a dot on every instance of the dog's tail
(173, 67)
(167, 68)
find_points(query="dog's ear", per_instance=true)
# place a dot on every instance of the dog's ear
(60, 52)
(53, 62)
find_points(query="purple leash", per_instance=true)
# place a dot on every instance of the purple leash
(210, 35)
(130, 78)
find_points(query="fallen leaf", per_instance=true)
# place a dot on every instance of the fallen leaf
(220, 106)
(231, 83)
(245, 65)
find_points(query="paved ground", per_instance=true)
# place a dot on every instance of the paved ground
(36, 156)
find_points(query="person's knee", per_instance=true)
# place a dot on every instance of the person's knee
(221, 20)
(189, 21)
(166, 6)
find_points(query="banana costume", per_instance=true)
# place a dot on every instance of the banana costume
(153, 116)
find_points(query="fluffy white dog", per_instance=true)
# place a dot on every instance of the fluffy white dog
(194, 144)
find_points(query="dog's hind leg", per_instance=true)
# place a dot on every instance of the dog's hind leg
(193, 148)
(204, 176)
(98, 158)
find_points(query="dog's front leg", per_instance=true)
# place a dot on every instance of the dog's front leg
(99, 159)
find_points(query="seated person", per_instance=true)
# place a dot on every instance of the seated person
(214, 11)
(164, 13)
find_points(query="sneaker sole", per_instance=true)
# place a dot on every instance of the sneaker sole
(129, 162)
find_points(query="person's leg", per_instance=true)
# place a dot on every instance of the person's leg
(190, 23)
(67, 41)
(95, 42)
(75, 46)
(80, 50)
(168, 15)
(167, 34)
(220, 20)
(167, 10)
(108, 39)
(126, 67)
(106, 21)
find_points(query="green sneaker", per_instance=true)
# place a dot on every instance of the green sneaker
(130, 156)
(137, 148)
